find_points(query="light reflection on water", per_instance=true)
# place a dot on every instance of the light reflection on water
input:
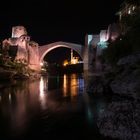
(72, 84)
(20, 103)
(65, 85)
(43, 89)
(51, 103)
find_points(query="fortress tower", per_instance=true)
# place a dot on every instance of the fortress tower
(18, 31)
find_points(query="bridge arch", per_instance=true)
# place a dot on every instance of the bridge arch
(43, 50)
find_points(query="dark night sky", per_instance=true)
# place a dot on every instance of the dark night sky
(55, 20)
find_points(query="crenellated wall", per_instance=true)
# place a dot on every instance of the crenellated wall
(18, 31)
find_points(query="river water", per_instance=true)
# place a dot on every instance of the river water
(53, 107)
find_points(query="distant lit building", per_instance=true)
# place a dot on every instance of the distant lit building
(127, 14)
(127, 9)
(74, 60)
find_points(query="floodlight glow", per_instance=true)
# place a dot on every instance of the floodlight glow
(89, 38)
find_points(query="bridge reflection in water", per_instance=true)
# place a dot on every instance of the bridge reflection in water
(46, 108)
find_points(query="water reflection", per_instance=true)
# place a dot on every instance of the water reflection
(43, 89)
(22, 102)
(72, 85)
(65, 85)
(55, 104)
(54, 82)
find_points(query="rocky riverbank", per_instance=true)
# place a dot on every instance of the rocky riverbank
(121, 118)
(123, 79)
(8, 77)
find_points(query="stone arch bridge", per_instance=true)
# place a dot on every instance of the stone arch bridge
(80, 49)
(30, 52)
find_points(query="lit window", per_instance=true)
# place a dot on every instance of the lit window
(129, 11)
(133, 8)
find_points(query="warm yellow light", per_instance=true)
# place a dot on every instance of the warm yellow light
(65, 62)
(73, 86)
(65, 85)
(74, 60)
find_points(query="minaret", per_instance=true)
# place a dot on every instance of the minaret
(71, 56)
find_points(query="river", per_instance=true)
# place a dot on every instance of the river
(53, 107)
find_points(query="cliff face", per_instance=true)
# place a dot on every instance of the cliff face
(127, 79)
(121, 118)
(123, 80)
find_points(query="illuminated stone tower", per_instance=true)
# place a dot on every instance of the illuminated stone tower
(18, 31)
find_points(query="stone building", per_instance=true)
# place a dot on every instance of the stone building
(27, 50)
